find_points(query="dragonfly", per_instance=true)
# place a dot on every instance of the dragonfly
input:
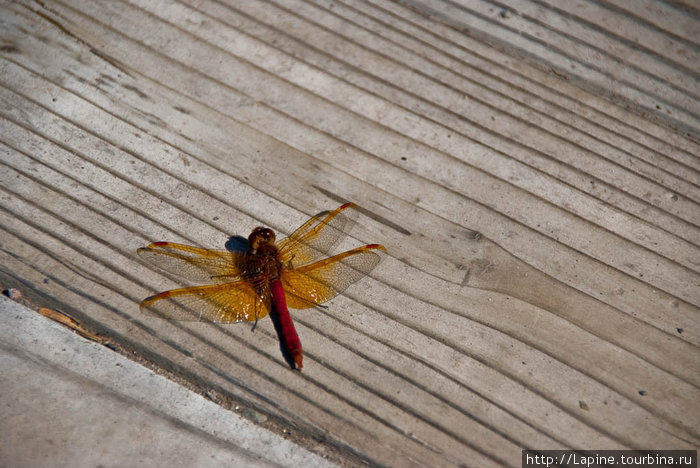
(266, 278)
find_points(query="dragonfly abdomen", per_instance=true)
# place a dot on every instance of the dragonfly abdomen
(290, 338)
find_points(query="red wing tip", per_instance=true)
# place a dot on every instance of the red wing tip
(160, 243)
(346, 206)
(375, 247)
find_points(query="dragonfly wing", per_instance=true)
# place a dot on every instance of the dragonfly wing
(316, 237)
(193, 263)
(220, 303)
(314, 284)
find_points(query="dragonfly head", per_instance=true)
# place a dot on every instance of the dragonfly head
(261, 236)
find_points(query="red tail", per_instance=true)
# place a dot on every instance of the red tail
(289, 334)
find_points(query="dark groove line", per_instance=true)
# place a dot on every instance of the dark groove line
(680, 5)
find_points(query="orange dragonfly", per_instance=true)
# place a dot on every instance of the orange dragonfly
(266, 278)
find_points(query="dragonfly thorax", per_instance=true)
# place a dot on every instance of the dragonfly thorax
(262, 260)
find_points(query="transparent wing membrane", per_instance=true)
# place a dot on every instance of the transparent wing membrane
(193, 263)
(219, 303)
(316, 237)
(315, 284)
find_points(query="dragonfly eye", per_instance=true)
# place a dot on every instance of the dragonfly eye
(261, 235)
